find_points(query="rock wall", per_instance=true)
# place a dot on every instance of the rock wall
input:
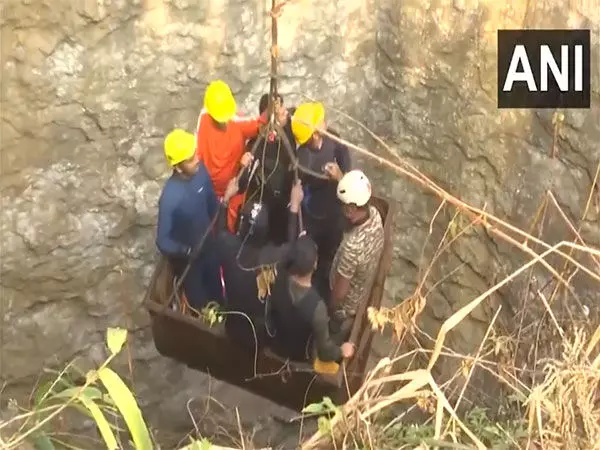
(90, 88)
(437, 67)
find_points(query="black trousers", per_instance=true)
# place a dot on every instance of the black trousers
(278, 219)
(327, 234)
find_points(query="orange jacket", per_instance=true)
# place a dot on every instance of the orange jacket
(221, 150)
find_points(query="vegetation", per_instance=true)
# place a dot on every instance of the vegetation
(547, 360)
(103, 397)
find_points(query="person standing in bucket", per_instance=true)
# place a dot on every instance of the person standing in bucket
(186, 208)
(357, 258)
(322, 211)
(300, 313)
(274, 175)
(243, 254)
(221, 137)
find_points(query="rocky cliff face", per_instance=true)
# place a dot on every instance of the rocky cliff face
(90, 88)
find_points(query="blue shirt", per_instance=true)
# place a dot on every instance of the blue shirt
(185, 210)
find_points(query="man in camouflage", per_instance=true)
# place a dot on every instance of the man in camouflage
(357, 258)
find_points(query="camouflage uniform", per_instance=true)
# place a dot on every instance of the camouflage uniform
(357, 259)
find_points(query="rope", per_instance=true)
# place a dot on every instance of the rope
(274, 55)
(192, 258)
(263, 132)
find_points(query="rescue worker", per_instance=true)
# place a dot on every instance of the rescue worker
(245, 252)
(300, 313)
(322, 211)
(357, 258)
(221, 137)
(273, 177)
(186, 208)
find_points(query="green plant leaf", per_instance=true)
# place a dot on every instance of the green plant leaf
(329, 405)
(204, 444)
(115, 338)
(101, 422)
(40, 393)
(43, 442)
(324, 425)
(91, 393)
(314, 408)
(128, 407)
(492, 430)
(46, 389)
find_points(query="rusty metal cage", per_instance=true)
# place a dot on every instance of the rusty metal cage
(208, 349)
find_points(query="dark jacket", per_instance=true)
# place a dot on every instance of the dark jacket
(322, 210)
(274, 169)
(301, 319)
(185, 210)
(275, 163)
(239, 261)
(320, 198)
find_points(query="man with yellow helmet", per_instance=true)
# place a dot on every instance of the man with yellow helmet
(322, 210)
(221, 137)
(186, 207)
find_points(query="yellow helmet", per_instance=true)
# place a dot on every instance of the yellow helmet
(306, 119)
(219, 101)
(179, 146)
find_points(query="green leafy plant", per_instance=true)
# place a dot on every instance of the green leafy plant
(326, 409)
(495, 435)
(103, 397)
(498, 436)
(211, 314)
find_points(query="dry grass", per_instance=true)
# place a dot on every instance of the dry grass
(560, 402)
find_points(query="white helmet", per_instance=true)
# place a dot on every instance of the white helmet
(354, 188)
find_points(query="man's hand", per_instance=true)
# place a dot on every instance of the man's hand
(247, 159)
(296, 196)
(232, 189)
(348, 350)
(333, 171)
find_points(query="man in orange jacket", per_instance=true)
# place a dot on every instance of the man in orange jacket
(221, 139)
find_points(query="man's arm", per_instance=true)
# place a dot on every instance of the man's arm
(249, 127)
(345, 271)
(293, 231)
(279, 252)
(164, 237)
(245, 179)
(296, 197)
(232, 189)
(342, 156)
(341, 153)
(327, 349)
